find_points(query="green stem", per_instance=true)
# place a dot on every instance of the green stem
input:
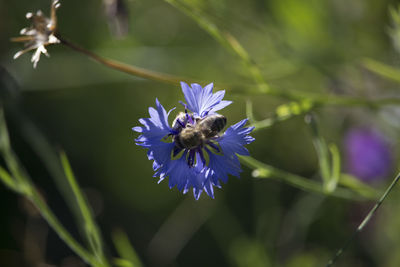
(125, 248)
(364, 222)
(266, 123)
(382, 69)
(8, 180)
(26, 189)
(266, 171)
(333, 100)
(21, 184)
(321, 149)
(226, 39)
(318, 101)
(45, 211)
(133, 70)
(89, 226)
(264, 88)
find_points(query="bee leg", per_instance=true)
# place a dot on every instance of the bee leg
(191, 158)
(205, 113)
(189, 118)
(181, 123)
(176, 150)
(203, 159)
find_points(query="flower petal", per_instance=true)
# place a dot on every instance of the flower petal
(221, 166)
(202, 101)
(156, 127)
(234, 139)
(196, 174)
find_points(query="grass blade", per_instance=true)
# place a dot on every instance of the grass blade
(90, 228)
(262, 170)
(226, 39)
(383, 69)
(125, 249)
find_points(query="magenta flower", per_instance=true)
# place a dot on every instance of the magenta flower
(368, 154)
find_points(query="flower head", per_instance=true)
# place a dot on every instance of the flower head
(368, 154)
(193, 152)
(39, 34)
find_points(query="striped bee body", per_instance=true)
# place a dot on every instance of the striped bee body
(211, 125)
(191, 136)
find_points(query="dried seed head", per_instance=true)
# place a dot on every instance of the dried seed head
(40, 34)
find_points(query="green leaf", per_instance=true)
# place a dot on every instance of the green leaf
(282, 113)
(249, 111)
(8, 180)
(394, 31)
(123, 263)
(22, 184)
(18, 173)
(246, 252)
(322, 151)
(358, 186)
(335, 168)
(89, 226)
(4, 138)
(382, 69)
(125, 249)
(262, 170)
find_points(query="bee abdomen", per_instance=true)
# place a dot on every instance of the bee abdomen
(219, 124)
(212, 125)
(188, 138)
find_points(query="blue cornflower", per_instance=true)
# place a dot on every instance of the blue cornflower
(193, 152)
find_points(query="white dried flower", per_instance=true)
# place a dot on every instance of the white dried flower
(40, 34)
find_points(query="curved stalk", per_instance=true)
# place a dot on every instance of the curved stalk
(133, 70)
(364, 222)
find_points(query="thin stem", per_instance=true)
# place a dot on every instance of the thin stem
(364, 222)
(321, 149)
(262, 170)
(226, 39)
(85, 213)
(125, 249)
(258, 125)
(21, 39)
(25, 188)
(21, 184)
(47, 214)
(133, 70)
(28, 190)
(316, 99)
(8, 181)
(334, 100)
(314, 102)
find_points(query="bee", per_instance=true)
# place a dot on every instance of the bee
(180, 122)
(211, 125)
(197, 134)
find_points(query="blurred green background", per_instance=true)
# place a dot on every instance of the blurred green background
(313, 46)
